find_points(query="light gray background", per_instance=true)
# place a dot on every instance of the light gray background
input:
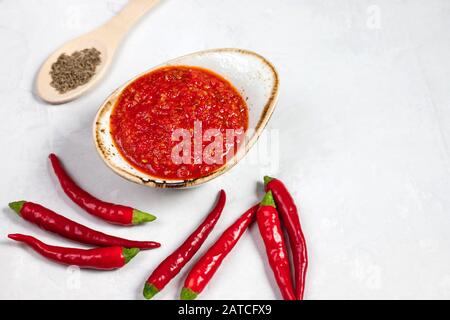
(363, 119)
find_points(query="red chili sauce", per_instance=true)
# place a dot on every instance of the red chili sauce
(170, 98)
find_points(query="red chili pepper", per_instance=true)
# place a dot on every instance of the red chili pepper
(270, 229)
(110, 212)
(100, 258)
(290, 217)
(204, 269)
(173, 264)
(51, 221)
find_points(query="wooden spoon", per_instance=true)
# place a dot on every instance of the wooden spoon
(105, 39)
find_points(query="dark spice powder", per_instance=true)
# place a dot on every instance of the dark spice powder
(71, 71)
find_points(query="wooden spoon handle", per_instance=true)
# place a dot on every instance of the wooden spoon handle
(127, 17)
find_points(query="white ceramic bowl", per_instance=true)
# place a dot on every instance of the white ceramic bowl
(251, 74)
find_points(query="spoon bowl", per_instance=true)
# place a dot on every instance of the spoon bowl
(252, 75)
(43, 80)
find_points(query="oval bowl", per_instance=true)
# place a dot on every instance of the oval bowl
(251, 74)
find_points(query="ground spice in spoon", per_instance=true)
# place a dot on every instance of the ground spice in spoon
(71, 71)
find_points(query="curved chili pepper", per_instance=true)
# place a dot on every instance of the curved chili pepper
(110, 212)
(100, 258)
(270, 229)
(173, 264)
(206, 267)
(51, 221)
(290, 217)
